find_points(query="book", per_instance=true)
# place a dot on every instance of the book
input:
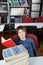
(19, 61)
(7, 43)
(14, 3)
(12, 27)
(14, 53)
(18, 19)
(15, 12)
(23, 2)
(0, 20)
(4, 19)
(12, 20)
(3, 8)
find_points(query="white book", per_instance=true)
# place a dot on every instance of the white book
(14, 53)
(22, 59)
(23, 62)
(17, 11)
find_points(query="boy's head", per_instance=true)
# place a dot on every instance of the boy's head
(21, 32)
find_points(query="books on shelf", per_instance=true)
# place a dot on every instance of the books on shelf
(36, 1)
(12, 26)
(17, 11)
(18, 19)
(14, 3)
(42, 14)
(18, 3)
(23, 2)
(4, 19)
(12, 20)
(35, 7)
(34, 14)
(7, 43)
(17, 55)
(3, 8)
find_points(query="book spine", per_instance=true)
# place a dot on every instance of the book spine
(0, 20)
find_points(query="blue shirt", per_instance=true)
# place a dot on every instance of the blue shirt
(29, 44)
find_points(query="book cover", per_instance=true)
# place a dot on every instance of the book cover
(8, 43)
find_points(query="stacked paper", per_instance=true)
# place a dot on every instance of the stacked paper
(17, 55)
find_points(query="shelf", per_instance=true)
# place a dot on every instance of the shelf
(3, 12)
(35, 3)
(19, 6)
(18, 15)
(35, 11)
(3, 3)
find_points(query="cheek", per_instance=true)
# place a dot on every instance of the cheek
(24, 33)
(19, 35)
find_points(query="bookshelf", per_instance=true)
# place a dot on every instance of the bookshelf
(18, 9)
(3, 11)
(35, 8)
(42, 9)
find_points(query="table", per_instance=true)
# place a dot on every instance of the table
(32, 61)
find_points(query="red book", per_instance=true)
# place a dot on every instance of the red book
(8, 43)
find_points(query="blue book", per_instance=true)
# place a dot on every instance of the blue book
(7, 53)
(12, 20)
(23, 1)
(18, 20)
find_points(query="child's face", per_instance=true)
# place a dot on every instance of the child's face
(21, 34)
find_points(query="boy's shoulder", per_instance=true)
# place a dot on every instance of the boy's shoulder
(30, 39)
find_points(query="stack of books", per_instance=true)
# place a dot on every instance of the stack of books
(17, 55)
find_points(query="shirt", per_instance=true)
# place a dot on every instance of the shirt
(29, 44)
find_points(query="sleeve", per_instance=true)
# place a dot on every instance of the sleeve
(34, 47)
(17, 41)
